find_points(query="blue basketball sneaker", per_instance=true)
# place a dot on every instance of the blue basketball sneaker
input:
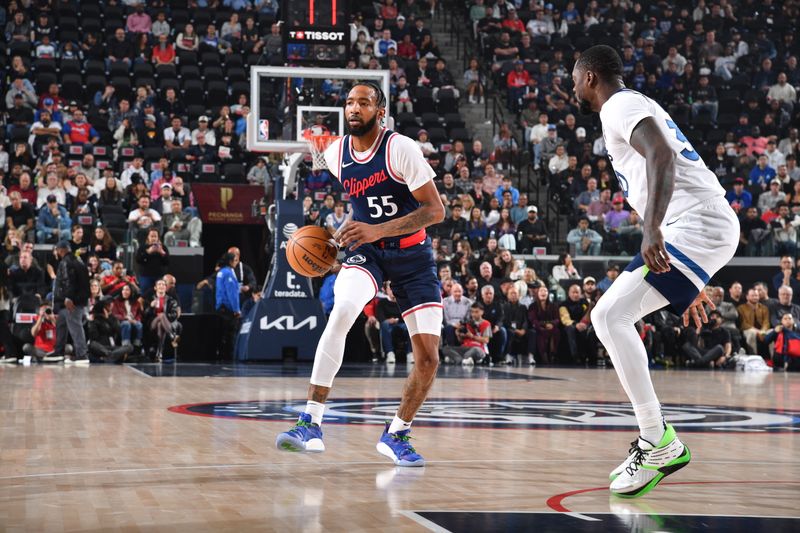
(396, 447)
(303, 437)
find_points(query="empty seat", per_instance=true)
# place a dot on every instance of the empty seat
(179, 17)
(166, 83)
(240, 87)
(209, 59)
(190, 72)
(437, 136)
(411, 131)
(216, 91)
(72, 88)
(460, 134)
(122, 86)
(234, 61)
(118, 69)
(70, 66)
(91, 24)
(430, 120)
(142, 70)
(236, 74)
(454, 120)
(187, 58)
(207, 173)
(153, 153)
(234, 172)
(212, 73)
(166, 71)
(95, 67)
(406, 119)
(194, 111)
(193, 92)
(44, 65)
(44, 80)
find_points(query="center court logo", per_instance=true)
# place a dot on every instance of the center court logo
(512, 414)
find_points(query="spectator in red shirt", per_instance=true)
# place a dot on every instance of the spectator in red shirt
(516, 81)
(53, 93)
(78, 131)
(112, 284)
(44, 337)
(512, 22)
(25, 188)
(407, 49)
(163, 52)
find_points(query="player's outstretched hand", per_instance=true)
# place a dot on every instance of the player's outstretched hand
(653, 251)
(353, 234)
(697, 311)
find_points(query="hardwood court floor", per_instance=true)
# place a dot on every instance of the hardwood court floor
(98, 449)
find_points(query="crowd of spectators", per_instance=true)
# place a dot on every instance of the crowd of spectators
(118, 150)
(100, 145)
(508, 314)
(727, 75)
(725, 71)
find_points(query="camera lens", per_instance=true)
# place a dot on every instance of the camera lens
(48, 311)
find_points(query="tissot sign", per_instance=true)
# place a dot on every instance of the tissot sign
(513, 414)
(317, 35)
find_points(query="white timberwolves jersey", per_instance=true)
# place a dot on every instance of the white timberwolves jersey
(694, 182)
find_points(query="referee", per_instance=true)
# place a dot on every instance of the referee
(227, 305)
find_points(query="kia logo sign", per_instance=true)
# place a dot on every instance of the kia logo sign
(286, 323)
(289, 229)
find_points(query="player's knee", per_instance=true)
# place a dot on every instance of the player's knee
(601, 317)
(343, 316)
(427, 361)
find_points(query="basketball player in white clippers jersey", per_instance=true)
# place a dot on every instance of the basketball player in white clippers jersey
(690, 232)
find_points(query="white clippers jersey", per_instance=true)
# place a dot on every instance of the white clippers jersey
(694, 182)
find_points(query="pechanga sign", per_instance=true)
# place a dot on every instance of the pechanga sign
(228, 204)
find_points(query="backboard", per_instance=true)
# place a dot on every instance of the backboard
(285, 101)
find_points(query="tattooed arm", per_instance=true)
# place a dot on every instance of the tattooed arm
(430, 211)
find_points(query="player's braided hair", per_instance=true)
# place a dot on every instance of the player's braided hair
(380, 96)
(603, 60)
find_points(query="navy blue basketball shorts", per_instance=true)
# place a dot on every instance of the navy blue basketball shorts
(412, 273)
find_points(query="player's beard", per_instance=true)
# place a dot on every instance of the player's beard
(364, 128)
(585, 107)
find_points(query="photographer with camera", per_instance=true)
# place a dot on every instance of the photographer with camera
(474, 338)
(44, 337)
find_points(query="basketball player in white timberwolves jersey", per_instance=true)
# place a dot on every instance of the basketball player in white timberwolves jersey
(690, 232)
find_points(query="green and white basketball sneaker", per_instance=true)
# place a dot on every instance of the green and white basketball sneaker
(648, 464)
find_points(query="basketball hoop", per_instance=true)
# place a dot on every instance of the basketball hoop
(317, 145)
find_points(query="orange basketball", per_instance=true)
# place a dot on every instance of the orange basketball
(310, 251)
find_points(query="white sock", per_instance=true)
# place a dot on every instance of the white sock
(651, 421)
(398, 425)
(614, 316)
(315, 409)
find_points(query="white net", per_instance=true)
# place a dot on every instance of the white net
(317, 145)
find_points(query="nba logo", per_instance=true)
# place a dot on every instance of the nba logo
(263, 130)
